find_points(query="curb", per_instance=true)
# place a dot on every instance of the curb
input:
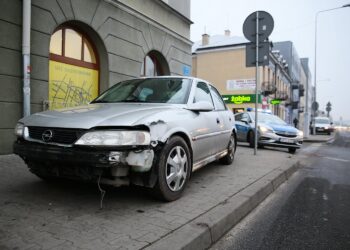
(209, 227)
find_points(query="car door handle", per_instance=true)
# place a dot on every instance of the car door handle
(217, 120)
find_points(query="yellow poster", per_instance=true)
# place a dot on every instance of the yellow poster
(71, 85)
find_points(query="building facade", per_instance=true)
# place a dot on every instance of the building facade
(79, 48)
(221, 59)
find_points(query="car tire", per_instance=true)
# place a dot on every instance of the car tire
(173, 169)
(251, 139)
(292, 150)
(229, 158)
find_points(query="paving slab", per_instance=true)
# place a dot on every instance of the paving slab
(67, 214)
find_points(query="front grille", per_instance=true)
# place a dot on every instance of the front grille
(59, 135)
(286, 135)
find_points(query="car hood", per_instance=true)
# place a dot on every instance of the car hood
(282, 128)
(100, 114)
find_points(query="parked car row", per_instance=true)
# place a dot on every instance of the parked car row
(153, 132)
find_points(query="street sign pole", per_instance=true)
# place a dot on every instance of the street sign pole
(256, 82)
(256, 28)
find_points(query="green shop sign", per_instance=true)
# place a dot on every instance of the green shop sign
(240, 99)
(275, 101)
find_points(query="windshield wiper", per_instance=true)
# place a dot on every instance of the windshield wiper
(131, 100)
(99, 101)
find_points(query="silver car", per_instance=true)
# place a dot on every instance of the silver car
(151, 132)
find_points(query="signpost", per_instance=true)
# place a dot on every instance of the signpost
(256, 28)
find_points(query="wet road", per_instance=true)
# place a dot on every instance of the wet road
(309, 211)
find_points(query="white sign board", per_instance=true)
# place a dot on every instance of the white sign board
(241, 84)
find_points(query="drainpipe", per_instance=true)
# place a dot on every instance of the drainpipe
(26, 56)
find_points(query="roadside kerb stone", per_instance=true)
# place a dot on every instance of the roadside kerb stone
(211, 226)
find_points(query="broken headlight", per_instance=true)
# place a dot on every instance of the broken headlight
(115, 138)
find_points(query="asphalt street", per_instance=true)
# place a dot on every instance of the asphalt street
(309, 211)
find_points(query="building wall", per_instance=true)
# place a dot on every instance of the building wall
(219, 65)
(122, 35)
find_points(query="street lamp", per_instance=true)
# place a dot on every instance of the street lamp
(315, 63)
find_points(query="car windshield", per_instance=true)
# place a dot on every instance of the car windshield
(322, 121)
(149, 90)
(268, 118)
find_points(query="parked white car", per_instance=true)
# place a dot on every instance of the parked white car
(322, 125)
(151, 132)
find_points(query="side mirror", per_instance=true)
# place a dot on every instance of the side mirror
(201, 106)
(245, 120)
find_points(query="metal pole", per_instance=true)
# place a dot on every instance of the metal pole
(256, 83)
(26, 56)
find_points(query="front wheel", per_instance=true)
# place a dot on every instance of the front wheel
(231, 148)
(173, 169)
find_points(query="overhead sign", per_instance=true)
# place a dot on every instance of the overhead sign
(240, 84)
(240, 99)
(275, 101)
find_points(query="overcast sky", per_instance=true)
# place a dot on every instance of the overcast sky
(294, 21)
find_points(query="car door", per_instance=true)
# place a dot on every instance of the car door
(242, 126)
(207, 125)
(226, 121)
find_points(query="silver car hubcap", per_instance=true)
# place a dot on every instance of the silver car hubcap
(176, 168)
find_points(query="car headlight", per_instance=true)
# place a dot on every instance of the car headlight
(300, 133)
(326, 127)
(264, 129)
(19, 130)
(115, 138)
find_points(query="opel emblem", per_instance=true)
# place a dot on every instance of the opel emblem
(47, 135)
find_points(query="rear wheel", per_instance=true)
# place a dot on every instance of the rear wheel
(173, 169)
(228, 159)
(292, 150)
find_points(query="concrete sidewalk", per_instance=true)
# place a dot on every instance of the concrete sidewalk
(38, 215)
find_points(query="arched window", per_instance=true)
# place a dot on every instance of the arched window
(74, 69)
(154, 64)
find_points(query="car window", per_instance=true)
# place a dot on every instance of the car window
(246, 116)
(238, 117)
(202, 93)
(219, 103)
(152, 90)
(322, 120)
(268, 118)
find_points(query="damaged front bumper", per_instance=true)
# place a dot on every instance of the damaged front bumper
(115, 165)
